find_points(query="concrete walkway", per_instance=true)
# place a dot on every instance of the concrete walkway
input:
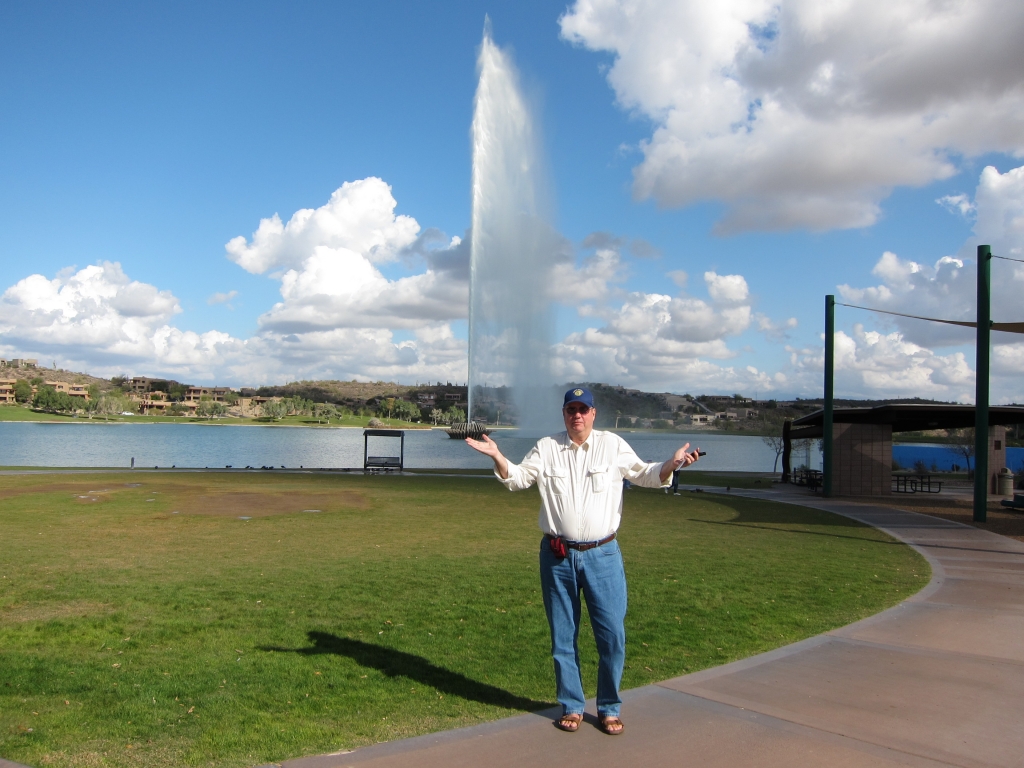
(935, 681)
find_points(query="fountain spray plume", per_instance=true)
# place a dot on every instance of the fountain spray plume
(512, 249)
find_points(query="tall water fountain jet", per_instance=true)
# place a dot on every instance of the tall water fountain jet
(511, 253)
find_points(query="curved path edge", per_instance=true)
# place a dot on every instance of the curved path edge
(937, 680)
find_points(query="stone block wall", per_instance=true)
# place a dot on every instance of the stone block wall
(861, 459)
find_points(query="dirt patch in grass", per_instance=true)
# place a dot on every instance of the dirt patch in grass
(17, 613)
(121, 752)
(206, 498)
(76, 488)
(265, 504)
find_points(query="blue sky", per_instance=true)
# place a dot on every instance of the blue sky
(150, 135)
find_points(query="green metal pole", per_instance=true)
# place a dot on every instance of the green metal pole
(982, 384)
(830, 364)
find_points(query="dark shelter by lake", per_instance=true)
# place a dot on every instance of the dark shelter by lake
(862, 439)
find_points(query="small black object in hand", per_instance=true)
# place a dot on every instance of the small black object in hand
(702, 453)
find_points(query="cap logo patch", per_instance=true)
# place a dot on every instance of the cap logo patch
(577, 392)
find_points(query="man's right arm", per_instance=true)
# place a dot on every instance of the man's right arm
(521, 476)
(500, 465)
(515, 477)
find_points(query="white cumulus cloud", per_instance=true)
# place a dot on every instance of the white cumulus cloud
(870, 364)
(359, 217)
(947, 289)
(661, 341)
(775, 331)
(802, 113)
(221, 298)
(339, 316)
(329, 262)
(95, 306)
(957, 203)
(594, 277)
(99, 320)
(999, 204)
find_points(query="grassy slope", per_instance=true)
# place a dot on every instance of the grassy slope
(130, 635)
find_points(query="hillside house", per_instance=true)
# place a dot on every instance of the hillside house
(142, 384)
(74, 390)
(158, 403)
(217, 394)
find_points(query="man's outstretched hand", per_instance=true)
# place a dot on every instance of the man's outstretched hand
(681, 458)
(488, 447)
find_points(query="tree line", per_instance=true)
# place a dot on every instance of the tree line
(115, 402)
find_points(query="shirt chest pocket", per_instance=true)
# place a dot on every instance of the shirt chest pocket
(600, 479)
(557, 481)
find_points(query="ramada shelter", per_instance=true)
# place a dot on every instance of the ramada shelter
(862, 440)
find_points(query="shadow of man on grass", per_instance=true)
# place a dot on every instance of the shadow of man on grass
(769, 516)
(395, 663)
(772, 515)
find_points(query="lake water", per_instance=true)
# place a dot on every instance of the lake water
(943, 457)
(34, 444)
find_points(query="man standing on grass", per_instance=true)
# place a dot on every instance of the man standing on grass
(579, 473)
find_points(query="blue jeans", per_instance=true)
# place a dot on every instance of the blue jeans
(599, 574)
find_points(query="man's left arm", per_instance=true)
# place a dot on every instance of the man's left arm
(652, 474)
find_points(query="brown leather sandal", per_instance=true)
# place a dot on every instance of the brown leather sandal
(611, 725)
(569, 722)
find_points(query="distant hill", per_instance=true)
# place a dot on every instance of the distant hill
(356, 394)
(55, 374)
(611, 400)
(614, 401)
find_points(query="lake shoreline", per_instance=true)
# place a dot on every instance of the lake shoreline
(110, 444)
(46, 418)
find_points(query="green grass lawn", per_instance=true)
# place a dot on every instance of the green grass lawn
(144, 623)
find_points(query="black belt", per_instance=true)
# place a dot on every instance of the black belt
(583, 546)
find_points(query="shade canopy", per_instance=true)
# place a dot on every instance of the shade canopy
(907, 418)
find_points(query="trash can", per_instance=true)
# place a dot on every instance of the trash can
(1005, 485)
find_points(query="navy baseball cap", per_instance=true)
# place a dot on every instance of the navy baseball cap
(579, 395)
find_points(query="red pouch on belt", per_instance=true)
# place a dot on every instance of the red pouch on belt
(557, 546)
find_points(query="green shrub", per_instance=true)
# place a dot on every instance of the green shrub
(50, 400)
(22, 391)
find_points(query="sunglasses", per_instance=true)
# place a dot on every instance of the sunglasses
(583, 410)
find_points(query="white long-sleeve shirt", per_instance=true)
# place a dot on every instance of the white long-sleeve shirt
(581, 485)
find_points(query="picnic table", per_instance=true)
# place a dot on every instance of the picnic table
(811, 478)
(915, 484)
